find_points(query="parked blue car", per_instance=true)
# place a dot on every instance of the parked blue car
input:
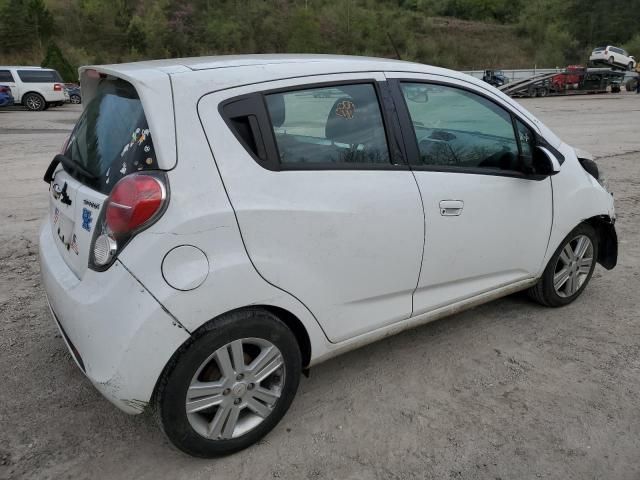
(74, 92)
(6, 98)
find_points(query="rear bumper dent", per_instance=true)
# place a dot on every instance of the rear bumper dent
(118, 334)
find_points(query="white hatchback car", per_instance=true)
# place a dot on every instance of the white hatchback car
(219, 225)
(34, 87)
(613, 56)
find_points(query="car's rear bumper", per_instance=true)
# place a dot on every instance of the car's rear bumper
(118, 334)
(54, 96)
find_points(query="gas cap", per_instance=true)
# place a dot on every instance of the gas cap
(185, 267)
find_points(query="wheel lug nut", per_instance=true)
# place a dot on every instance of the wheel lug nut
(237, 401)
(226, 391)
(250, 386)
(240, 376)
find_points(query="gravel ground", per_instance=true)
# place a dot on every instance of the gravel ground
(509, 390)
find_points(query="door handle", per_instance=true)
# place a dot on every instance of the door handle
(451, 208)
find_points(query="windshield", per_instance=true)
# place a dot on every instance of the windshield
(112, 137)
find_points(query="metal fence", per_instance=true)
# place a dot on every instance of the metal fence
(517, 74)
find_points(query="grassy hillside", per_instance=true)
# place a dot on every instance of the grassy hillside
(460, 34)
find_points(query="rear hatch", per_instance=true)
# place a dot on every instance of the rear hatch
(110, 140)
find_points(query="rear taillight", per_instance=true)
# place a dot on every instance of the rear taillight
(57, 87)
(4, 89)
(133, 201)
(134, 204)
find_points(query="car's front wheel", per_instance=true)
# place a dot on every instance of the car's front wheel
(75, 99)
(230, 386)
(569, 270)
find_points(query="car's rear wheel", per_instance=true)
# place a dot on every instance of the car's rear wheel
(34, 102)
(230, 386)
(75, 99)
(569, 270)
(611, 60)
(630, 66)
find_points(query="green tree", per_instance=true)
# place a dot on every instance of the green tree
(56, 60)
(41, 20)
(15, 30)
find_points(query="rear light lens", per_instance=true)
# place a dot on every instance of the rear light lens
(133, 201)
(4, 89)
(134, 204)
(57, 87)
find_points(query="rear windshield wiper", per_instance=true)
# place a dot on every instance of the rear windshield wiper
(67, 162)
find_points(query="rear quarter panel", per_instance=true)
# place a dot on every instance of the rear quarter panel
(199, 214)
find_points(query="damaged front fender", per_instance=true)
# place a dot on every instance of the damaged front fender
(607, 241)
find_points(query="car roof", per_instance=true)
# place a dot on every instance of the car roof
(23, 67)
(290, 65)
(229, 61)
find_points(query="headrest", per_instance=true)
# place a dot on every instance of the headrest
(276, 109)
(348, 121)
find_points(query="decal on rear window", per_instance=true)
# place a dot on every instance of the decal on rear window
(112, 137)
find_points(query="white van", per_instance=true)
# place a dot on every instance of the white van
(34, 87)
(218, 225)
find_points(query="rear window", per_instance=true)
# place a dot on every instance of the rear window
(5, 76)
(598, 49)
(39, 76)
(112, 137)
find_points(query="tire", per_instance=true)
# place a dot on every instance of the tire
(34, 102)
(202, 358)
(75, 99)
(533, 92)
(545, 292)
(630, 66)
(611, 60)
(542, 92)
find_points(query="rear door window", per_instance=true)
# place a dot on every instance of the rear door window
(5, 76)
(329, 126)
(112, 137)
(39, 76)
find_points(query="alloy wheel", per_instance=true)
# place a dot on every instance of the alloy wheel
(34, 102)
(573, 266)
(235, 389)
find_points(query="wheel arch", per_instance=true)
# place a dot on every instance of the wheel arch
(32, 92)
(288, 318)
(607, 240)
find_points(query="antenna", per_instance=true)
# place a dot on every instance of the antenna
(394, 46)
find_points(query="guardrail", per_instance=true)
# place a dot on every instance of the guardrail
(515, 75)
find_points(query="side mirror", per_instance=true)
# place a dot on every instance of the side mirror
(545, 162)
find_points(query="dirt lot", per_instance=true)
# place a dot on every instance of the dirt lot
(509, 390)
